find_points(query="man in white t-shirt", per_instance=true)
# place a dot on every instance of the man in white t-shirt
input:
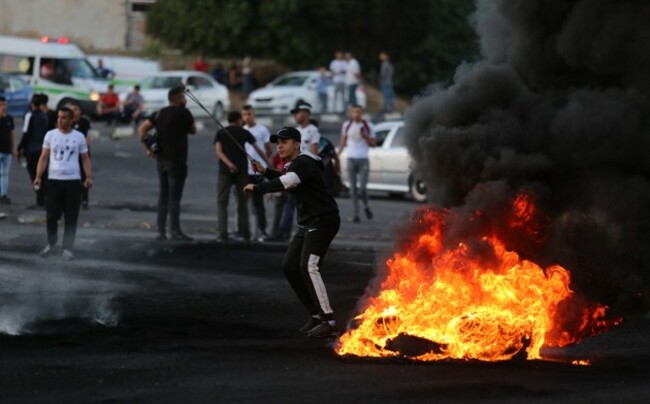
(308, 133)
(338, 68)
(262, 136)
(358, 136)
(62, 148)
(352, 78)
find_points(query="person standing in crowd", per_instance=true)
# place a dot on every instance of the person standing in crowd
(8, 150)
(52, 117)
(31, 144)
(352, 78)
(322, 85)
(308, 132)
(319, 221)
(247, 76)
(200, 65)
(229, 146)
(81, 123)
(61, 150)
(219, 73)
(386, 72)
(108, 107)
(134, 106)
(261, 135)
(338, 67)
(358, 136)
(173, 124)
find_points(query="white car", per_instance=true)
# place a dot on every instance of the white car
(214, 96)
(281, 95)
(390, 164)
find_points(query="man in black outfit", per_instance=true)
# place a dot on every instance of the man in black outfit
(318, 223)
(31, 144)
(233, 170)
(172, 123)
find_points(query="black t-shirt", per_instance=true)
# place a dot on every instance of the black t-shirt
(37, 127)
(6, 127)
(230, 149)
(312, 198)
(173, 123)
(83, 125)
(52, 118)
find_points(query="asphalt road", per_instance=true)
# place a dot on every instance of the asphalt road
(137, 320)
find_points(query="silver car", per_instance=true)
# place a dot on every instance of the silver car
(390, 164)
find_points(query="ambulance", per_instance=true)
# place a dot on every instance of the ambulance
(54, 67)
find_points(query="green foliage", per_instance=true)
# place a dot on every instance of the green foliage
(426, 39)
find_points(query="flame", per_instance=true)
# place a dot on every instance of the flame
(437, 302)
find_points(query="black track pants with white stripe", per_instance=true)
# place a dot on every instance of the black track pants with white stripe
(303, 260)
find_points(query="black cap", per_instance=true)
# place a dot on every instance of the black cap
(286, 133)
(301, 106)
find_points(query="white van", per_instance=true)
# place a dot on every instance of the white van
(54, 67)
(126, 71)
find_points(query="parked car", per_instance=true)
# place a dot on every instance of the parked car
(17, 92)
(390, 164)
(282, 94)
(214, 96)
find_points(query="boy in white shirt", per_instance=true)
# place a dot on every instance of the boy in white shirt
(359, 136)
(62, 148)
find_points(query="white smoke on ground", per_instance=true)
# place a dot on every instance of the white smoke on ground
(30, 297)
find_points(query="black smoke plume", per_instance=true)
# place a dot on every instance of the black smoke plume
(559, 109)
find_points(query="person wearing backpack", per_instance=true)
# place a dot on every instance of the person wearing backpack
(358, 136)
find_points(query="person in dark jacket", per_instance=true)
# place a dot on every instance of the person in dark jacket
(31, 144)
(318, 223)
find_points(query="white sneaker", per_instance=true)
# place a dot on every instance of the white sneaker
(46, 252)
(67, 255)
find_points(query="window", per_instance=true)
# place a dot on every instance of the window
(162, 82)
(4, 84)
(381, 136)
(291, 80)
(16, 64)
(16, 85)
(398, 140)
(199, 82)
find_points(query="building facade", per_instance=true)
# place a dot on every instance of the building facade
(96, 25)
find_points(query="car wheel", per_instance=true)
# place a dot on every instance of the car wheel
(217, 111)
(418, 189)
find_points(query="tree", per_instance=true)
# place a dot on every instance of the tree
(426, 39)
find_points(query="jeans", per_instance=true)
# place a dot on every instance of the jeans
(5, 165)
(339, 92)
(304, 257)
(389, 95)
(322, 97)
(32, 162)
(239, 180)
(358, 170)
(259, 209)
(352, 94)
(63, 198)
(171, 180)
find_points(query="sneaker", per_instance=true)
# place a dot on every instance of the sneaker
(369, 214)
(46, 252)
(222, 238)
(310, 325)
(324, 330)
(262, 237)
(67, 255)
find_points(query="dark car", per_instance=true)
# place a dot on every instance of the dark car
(17, 92)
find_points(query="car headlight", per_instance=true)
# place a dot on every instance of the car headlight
(94, 95)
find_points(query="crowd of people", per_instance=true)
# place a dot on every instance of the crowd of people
(343, 74)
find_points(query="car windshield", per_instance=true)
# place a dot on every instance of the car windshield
(161, 82)
(290, 80)
(79, 68)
